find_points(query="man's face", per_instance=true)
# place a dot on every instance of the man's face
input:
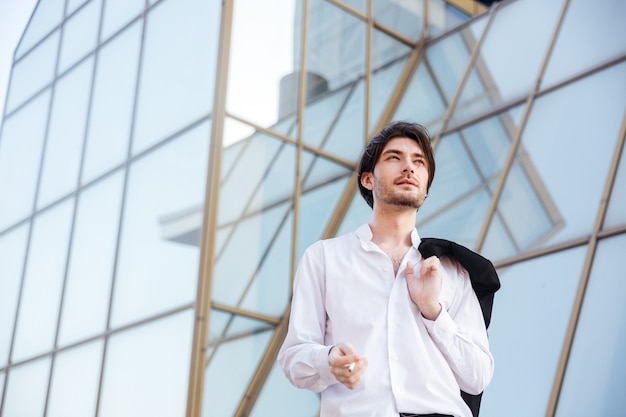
(400, 176)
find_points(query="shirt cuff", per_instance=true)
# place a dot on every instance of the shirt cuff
(323, 367)
(443, 328)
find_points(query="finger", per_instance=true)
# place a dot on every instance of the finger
(430, 265)
(409, 271)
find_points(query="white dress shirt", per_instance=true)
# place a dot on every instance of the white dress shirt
(345, 290)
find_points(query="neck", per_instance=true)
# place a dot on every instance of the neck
(393, 227)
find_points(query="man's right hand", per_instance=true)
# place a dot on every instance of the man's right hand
(340, 359)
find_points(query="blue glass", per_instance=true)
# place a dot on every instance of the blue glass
(347, 137)
(43, 282)
(530, 316)
(321, 115)
(616, 212)
(20, 157)
(404, 17)
(590, 36)
(12, 250)
(147, 369)
(66, 133)
(26, 389)
(80, 34)
(47, 15)
(598, 351)
(118, 13)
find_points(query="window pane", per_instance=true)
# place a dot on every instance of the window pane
(12, 249)
(33, 72)
(88, 286)
(616, 213)
(601, 335)
(506, 71)
(75, 381)
(43, 282)
(47, 15)
(65, 135)
(158, 265)
(530, 316)
(72, 5)
(178, 70)
(147, 369)
(80, 34)
(229, 371)
(112, 108)
(258, 62)
(405, 17)
(587, 38)
(117, 13)
(555, 128)
(26, 389)
(20, 156)
(347, 137)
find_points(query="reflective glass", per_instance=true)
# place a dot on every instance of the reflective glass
(26, 389)
(404, 17)
(158, 265)
(229, 371)
(499, 243)
(358, 213)
(147, 369)
(88, 285)
(261, 157)
(12, 249)
(336, 44)
(422, 101)
(66, 134)
(442, 16)
(47, 15)
(279, 398)
(43, 282)
(33, 72)
(80, 34)
(118, 13)
(113, 98)
(347, 137)
(178, 68)
(598, 351)
(358, 5)
(75, 381)
(556, 143)
(262, 59)
(252, 236)
(317, 205)
(505, 71)
(589, 37)
(616, 212)
(72, 5)
(321, 115)
(530, 316)
(20, 156)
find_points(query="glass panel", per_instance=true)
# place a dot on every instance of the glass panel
(158, 262)
(616, 212)
(336, 44)
(72, 5)
(75, 381)
(266, 63)
(347, 137)
(20, 156)
(587, 38)
(147, 369)
(555, 128)
(505, 71)
(530, 316)
(112, 109)
(404, 17)
(33, 72)
(229, 371)
(321, 115)
(252, 236)
(26, 389)
(117, 13)
(12, 248)
(88, 286)
(279, 398)
(442, 17)
(80, 34)
(43, 282)
(422, 102)
(178, 68)
(65, 135)
(600, 334)
(358, 5)
(358, 213)
(499, 244)
(47, 15)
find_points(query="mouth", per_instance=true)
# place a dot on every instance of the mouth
(407, 182)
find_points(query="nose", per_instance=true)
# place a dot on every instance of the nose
(409, 168)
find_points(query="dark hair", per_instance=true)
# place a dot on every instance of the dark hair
(394, 130)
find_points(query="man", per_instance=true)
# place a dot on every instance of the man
(375, 328)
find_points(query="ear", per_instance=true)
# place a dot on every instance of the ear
(367, 181)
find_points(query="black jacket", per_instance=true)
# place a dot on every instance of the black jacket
(485, 283)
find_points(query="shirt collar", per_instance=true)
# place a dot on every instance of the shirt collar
(364, 233)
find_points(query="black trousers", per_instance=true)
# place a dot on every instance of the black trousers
(424, 415)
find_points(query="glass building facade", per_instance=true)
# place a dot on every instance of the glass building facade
(164, 163)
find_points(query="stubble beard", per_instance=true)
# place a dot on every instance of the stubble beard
(400, 201)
